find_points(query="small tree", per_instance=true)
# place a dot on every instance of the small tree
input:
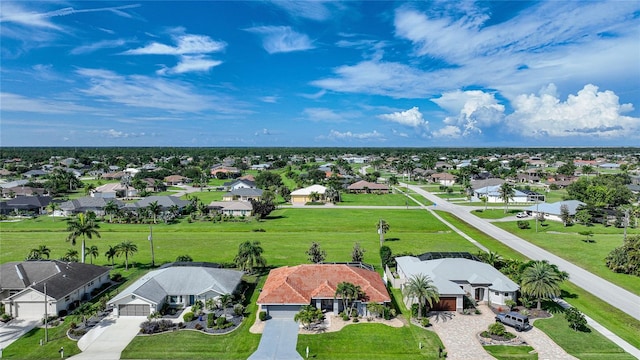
(357, 254)
(315, 254)
(308, 315)
(584, 217)
(126, 248)
(111, 254)
(565, 216)
(588, 234)
(576, 319)
(386, 256)
(184, 258)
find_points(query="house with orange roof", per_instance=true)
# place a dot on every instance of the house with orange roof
(288, 288)
(363, 186)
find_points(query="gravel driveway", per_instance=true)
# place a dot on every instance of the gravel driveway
(458, 334)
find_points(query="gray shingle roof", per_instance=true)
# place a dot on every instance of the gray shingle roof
(163, 201)
(555, 208)
(244, 192)
(182, 280)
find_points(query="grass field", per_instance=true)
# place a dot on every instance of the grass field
(376, 200)
(495, 213)
(506, 352)
(568, 244)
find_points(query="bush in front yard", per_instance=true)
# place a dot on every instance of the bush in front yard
(425, 322)
(262, 316)
(188, 317)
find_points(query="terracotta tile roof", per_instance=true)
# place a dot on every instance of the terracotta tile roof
(299, 284)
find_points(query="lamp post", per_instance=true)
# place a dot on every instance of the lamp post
(537, 200)
(150, 238)
(46, 316)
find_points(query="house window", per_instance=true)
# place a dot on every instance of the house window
(497, 293)
(66, 298)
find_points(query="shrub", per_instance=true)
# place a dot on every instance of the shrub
(211, 320)
(262, 315)
(49, 319)
(198, 326)
(197, 307)
(425, 322)
(221, 321)
(238, 309)
(258, 230)
(188, 317)
(117, 277)
(576, 319)
(345, 316)
(497, 329)
(478, 312)
(523, 224)
(73, 325)
(355, 320)
(510, 303)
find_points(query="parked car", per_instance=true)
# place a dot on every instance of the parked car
(521, 215)
(518, 321)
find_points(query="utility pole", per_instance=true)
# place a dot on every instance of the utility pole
(626, 223)
(150, 238)
(537, 200)
(46, 316)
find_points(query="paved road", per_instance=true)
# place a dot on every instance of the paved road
(605, 290)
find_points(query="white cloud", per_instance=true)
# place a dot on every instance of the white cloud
(186, 44)
(589, 113)
(190, 63)
(412, 117)
(279, 39)
(104, 44)
(315, 96)
(269, 99)
(348, 135)
(472, 110)
(19, 103)
(117, 134)
(449, 131)
(329, 115)
(154, 93)
(313, 10)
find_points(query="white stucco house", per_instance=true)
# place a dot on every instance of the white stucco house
(22, 286)
(520, 196)
(304, 195)
(553, 211)
(175, 284)
(455, 278)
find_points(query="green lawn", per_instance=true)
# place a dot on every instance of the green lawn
(583, 345)
(28, 346)
(506, 352)
(376, 200)
(568, 244)
(496, 213)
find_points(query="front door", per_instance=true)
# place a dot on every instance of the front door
(479, 294)
(192, 300)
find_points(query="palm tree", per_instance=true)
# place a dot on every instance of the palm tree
(111, 254)
(541, 280)
(93, 252)
(225, 300)
(155, 209)
(39, 252)
(249, 256)
(421, 287)
(493, 259)
(53, 206)
(346, 291)
(111, 208)
(126, 248)
(383, 228)
(83, 225)
(88, 188)
(506, 192)
(71, 255)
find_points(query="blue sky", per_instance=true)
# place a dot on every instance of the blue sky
(314, 73)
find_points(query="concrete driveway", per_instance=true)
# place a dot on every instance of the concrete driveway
(109, 337)
(279, 339)
(14, 329)
(458, 334)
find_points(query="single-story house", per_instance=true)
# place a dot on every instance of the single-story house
(290, 287)
(232, 208)
(165, 202)
(445, 179)
(303, 196)
(114, 190)
(239, 184)
(176, 180)
(243, 194)
(363, 186)
(225, 172)
(457, 277)
(520, 196)
(36, 205)
(175, 284)
(478, 184)
(22, 286)
(21, 191)
(117, 175)
(553, 211)
(32, 174)
(84, 204)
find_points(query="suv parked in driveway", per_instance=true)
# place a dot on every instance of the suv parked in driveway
(518, 321)
(521, 215)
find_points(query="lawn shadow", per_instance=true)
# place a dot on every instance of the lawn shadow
(567, 295)
(274, 217)
(392, 239)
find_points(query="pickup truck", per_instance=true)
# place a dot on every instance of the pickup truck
(518, 321)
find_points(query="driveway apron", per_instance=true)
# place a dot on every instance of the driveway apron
(109, 337)
(14, 329)
(278, 341)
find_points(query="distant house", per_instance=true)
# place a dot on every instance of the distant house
(114, 190)
(36, 205)
(239, 183)
(172, 180)
(305, 195)
(479, 184)
(444, 179)
(260, 167)
(243, 194)
(22, 286)
(33, 174)
(225, 172)
(86, 203)
(114, 175)
(457, 277)
(175, 284)
(553, 211)
(492, 193)
(363, 186)
(165, 202)
(232, 208)
(290, 287)
(21, 191)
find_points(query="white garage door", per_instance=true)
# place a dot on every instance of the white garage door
(134, 310)
(29, 310)
(283, 311)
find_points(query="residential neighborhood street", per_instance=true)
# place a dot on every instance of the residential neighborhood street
(608, 292)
